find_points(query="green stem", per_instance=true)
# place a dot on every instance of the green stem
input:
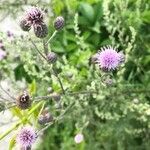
(59, 80)
(57, 119)
(17, 124)
(37, 49)
(53, 35)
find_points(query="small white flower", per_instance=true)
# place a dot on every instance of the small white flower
(79, 138)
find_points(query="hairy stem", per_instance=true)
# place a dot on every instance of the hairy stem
(53, 35)
(57, 119)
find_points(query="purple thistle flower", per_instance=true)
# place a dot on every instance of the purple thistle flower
(35, 16)
(26, 137)
(109, 59)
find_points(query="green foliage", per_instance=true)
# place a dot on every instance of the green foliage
(110, 117)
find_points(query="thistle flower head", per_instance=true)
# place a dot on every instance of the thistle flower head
(108, 58)
(26, 137)
(35, 15)
(52, 57)
(25, 25)
(45, 117)
(59, 23)
(40, 30)
(24, 101)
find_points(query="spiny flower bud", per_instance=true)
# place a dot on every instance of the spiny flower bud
(45, 117)
(52, 57)
(25, 25)
(56, 96)
(108, 82)
(59, 23)
(93, 59)
(41, 30)
(24, 101)
(35, 15)
(49, 90)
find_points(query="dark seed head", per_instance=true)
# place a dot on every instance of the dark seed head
(52, 57)
(25, 25)
(41, 30)
(24, 101)
(59, 23)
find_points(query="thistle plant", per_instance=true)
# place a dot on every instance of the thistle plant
(76, 80)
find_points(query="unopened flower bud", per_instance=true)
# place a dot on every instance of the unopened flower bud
(41, 30)
(45, 117)
(52, 57)
(93, 59)
(108, 82)
(56, 97)
(59, 23)
(135, 101)
(24, 101)
(25, 25)
(122, 57)
(49, 90)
